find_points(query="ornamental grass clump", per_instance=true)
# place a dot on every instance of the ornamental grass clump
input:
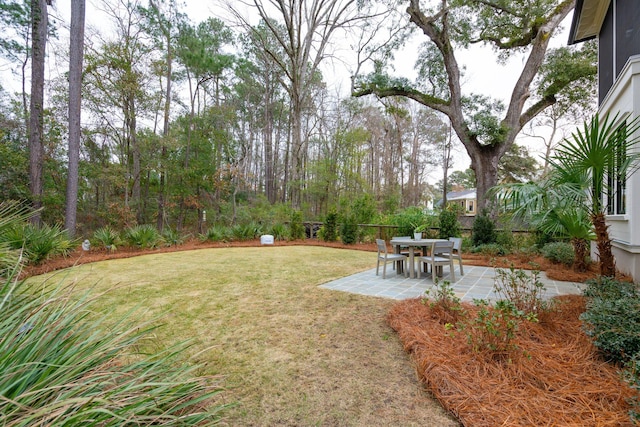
(65, 364)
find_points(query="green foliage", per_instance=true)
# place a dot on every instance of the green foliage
(442, 297)
(559, 252)
(632, 376)
(38, 243)
(523, 290)
(329, 230)
(349, 230)
(408, 220)
(172, 237)
(612, 318)
(107, 237)
(246, 231)
(449, 224)
(143, 236)
(484, 230)
(216, 233)
(60, 366)
(491, 249)
(493, 330)
(279, 231)
(296, 228)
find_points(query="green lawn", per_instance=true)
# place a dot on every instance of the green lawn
(290, 353)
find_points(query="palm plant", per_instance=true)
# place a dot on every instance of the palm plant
(553, 207)
(599, 153)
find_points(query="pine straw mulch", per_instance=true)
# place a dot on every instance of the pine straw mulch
(554, 377)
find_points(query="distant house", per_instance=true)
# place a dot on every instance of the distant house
(465, 198)
(616, 26)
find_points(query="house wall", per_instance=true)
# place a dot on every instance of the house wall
(624, 99)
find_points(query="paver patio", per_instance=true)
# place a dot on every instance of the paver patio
(477, 282)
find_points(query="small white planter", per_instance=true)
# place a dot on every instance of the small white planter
(417, 236)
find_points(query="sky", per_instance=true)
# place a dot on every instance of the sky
(491, 78)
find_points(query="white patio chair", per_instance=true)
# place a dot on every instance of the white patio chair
(440, 255)
(385, 257)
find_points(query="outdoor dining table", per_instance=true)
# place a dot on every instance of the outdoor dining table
(412, 244)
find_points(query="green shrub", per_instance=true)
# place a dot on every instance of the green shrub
(245, 231)
(296, 227)
(449, 224)
(484, 230)
(490, 249)
(612, 318)
(215, 233)
(494, 329)
(632, 376)
(39, 243)
(524, 290)
(559, 252)
(143, 236)
(329, 230)
(408, 220)
(107, 237)
(279, 231)
(505, 239)
(349, 230)
(172, 237)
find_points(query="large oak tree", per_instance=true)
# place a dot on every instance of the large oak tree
(485, 127)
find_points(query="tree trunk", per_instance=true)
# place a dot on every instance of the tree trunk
(603, 242)
(484, 163)
(75, 96)
(580, 247)
(36, 120)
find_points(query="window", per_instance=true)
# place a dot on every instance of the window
(616, 191)
(470, 206)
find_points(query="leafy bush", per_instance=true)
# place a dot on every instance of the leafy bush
(296, 228)
(484, 230)
(172, 237)
(612, 318)
(408, 220)
(493, 330)
(215, 233)
(329, 230)
(632, 376)
(279, 231)
(442, 298)
(107, 237)
(246, 231)
(490, 249)
(559, 252)
(39, 243)
(143, 236)
(522, 289)
(349, 231)
(449, 224)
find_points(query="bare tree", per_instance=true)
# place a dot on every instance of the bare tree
(304, 36)
(76, 49)
(39, 23)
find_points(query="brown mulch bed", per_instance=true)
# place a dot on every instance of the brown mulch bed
(554, 377)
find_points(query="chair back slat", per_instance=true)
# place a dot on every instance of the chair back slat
(382, 246)
(441, 247)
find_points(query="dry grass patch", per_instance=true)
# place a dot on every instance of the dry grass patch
(291, 353)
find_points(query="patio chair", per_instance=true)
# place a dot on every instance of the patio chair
(404, 250)
(385, 257)
(439, 256)
(457, 251)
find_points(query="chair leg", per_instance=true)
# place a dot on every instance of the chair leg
(453, 272)
(378, 266)
(461, 270)
(384, 270)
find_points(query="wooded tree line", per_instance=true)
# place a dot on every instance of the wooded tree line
(180, 118)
